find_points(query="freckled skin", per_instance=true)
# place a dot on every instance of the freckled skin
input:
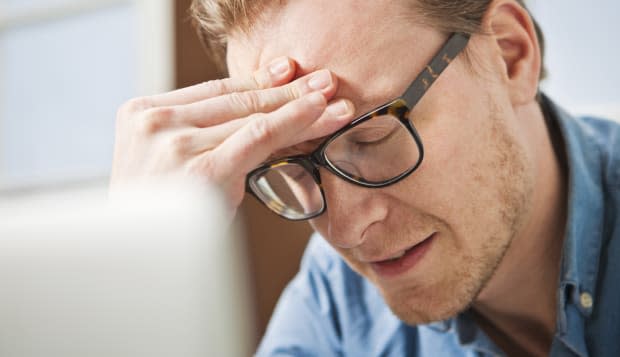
(475, 186)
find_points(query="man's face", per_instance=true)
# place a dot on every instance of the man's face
(456, 215)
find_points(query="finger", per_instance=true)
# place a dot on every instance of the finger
(336, 115)
(265, 134)
(276, 73)
(220, 109)
(196, 140)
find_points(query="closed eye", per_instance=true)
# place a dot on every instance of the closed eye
(373, 136)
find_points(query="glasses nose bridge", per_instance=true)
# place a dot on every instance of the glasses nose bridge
(315, 160)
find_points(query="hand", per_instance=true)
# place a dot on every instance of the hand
(220, 130)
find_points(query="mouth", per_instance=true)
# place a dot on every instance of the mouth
(404, 261)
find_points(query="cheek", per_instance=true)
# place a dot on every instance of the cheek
(462, 180)
(452, 145)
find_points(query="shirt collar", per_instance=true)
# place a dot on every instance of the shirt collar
(585, 219)
(468, 334)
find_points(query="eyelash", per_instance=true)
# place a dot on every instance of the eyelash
(375, 142)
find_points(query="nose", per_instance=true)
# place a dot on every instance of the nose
(350, 210)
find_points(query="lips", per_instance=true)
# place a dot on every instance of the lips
(403, 261)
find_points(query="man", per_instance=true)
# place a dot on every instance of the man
(461, 213)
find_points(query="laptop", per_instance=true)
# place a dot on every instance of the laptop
(158, 272)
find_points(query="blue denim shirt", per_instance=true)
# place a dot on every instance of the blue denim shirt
(329, 310)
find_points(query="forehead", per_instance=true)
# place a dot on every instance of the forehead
(374, 47)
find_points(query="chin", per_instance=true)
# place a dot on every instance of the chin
(449, 291)
(417, 311)
(443, 292)
(416, 307)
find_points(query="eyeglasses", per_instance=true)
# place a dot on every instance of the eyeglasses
(375, 150)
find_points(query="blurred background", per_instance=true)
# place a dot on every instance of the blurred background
(67, 65)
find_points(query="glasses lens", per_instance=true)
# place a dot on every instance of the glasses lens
(375, 151)
(289, 190)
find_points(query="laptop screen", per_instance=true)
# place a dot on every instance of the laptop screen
(157, 273)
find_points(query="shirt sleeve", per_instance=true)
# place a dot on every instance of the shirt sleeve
(305, 321)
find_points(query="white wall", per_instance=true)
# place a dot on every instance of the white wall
(61, 81)
(65, 68)
(583, 48)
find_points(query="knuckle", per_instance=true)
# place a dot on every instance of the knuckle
(156, 119)
(180, 145)
(261, 130)
(218, 86)
(129, 110)
(205, 167)
(246, 101)
(134, 105)
(293, 92)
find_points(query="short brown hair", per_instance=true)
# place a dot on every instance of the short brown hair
(215, 20)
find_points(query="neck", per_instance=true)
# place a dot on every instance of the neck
(517, 308)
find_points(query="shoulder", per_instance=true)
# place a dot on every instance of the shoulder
(325, 279)
(605, 134)
(320, 255)
(323, 273)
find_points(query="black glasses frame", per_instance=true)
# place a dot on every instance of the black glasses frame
(399, 108)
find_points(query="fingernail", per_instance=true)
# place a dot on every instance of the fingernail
(340, 108)
(279, 67)
(320, 80)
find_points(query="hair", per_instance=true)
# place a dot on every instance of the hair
(215, 20)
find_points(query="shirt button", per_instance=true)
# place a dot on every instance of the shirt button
(586, 300)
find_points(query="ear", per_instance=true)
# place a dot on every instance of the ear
(515, 38)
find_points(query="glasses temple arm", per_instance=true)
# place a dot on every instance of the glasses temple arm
(455, 45)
